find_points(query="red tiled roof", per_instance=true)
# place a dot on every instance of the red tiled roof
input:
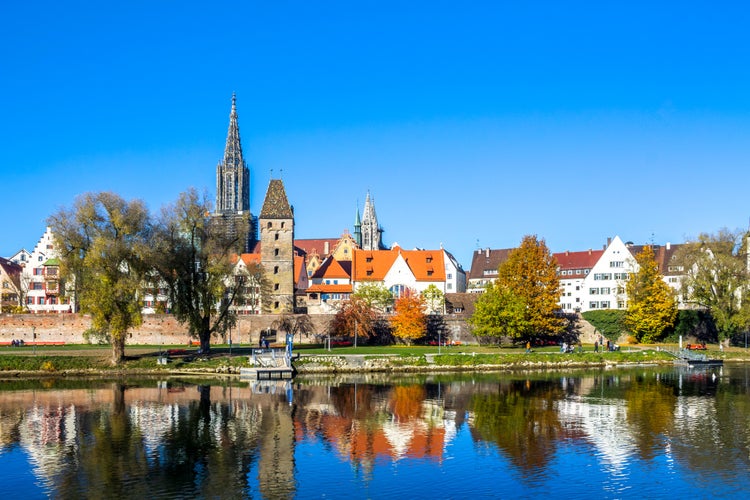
(578, 260)
(319, 245)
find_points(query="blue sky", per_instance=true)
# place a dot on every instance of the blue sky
(471, 125)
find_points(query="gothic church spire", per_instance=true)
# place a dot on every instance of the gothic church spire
(232, 174)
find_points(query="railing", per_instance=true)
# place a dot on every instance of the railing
(685, 354)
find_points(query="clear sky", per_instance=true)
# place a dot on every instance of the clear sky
(470, 123)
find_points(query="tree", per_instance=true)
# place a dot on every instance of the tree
(652, 308)
(295, 324)
(374, 295)
(716, 279)
(527, 290)
(498, 313)
(193, 255)
(434, 299)
(354, 318)
(103, 241)
(409, 322)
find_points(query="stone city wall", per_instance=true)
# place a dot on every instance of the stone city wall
(164, 329)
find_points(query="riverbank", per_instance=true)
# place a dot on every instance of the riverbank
(87, 360)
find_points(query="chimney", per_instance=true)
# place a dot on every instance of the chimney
(567, 253)
(609, 242)
(590, 251)
(669, 245)
(487, 254)
(325, 248)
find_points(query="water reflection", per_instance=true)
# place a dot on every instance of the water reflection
(615, 433)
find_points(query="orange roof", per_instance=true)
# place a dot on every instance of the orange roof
(333, 269)
(247, 258)
(323, 288)
(373, 265)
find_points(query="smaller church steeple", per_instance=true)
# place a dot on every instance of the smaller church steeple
(358, 229)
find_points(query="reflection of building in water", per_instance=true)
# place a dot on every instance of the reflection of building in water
(46, 433)
(605, 425)
(276, 465)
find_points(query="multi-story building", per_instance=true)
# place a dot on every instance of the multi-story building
(10, 285)
(589, 279)
(41, 278)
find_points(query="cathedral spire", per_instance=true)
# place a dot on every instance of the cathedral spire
(232, 174)
(371, 231)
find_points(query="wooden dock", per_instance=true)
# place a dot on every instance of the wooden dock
(269, 364)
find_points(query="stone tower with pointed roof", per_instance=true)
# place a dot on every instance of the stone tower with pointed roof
(276, 223)
(233, 186)
(371, 232)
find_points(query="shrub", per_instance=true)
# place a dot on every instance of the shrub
(609, 322)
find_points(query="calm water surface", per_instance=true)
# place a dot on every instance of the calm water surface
(645, 432)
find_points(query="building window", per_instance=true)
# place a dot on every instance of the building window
(276, 305)
(275, 269)
(593, 305)
(276, 236)
(276, 286)
(449, 286)
(270, 225)
(617, 263)
(38, 271)
(276, 252)
(450, 276)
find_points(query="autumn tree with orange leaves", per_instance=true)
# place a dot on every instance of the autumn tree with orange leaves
(409, 321)
(355, 318)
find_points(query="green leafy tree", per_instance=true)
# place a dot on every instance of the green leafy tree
(527, 292)
(716, 279)
(409, 321)
(434, 299)
(652, 308)
(193, 255)
(103, 240)
(498, 313)
(374, 295)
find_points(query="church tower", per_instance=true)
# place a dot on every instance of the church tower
(277, 249)
(233, 186)
(371, 231)
(358, 230)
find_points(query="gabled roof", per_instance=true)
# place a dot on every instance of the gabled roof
(663, 254)
(578, 260)
(276, 205)
(373, 265)
(333, 269)
(247, 258)
(486, 260)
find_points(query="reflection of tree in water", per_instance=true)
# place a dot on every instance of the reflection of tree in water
(713, 434)
(406, 402)
(110, 458)
(204, 451)
(521, 420)
(651, 406)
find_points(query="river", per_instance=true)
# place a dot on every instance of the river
(617, 433)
